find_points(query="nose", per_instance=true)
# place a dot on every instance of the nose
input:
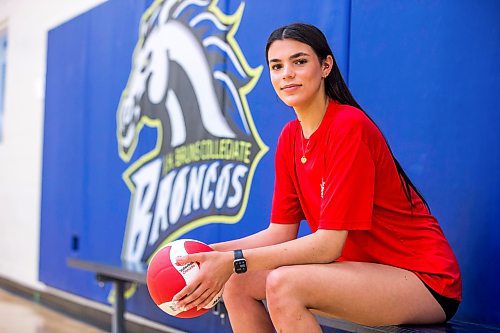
(288, 72)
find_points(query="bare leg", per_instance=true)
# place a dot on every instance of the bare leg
(243, 295)
(369, 294)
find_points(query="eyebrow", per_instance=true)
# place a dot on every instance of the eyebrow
(293, 56)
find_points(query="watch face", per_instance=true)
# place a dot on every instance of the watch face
(240, 266)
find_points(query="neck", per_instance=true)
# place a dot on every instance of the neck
(311, 115)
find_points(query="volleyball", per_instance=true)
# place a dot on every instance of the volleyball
(165, 278)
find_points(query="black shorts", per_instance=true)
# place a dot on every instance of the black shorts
(449, 305)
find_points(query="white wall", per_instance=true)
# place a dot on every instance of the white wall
(27, 23)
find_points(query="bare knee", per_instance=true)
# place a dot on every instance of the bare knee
(279, 289)
(244, 287)
(243, 295)
(287, 301)
(234, 290)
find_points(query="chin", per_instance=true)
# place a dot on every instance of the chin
(292, 101)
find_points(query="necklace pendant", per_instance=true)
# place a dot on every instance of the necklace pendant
(303, 159)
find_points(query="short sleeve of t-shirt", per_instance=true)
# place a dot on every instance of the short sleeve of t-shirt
(286, 208)
(349, 182)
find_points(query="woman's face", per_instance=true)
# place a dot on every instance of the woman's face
(296, 72)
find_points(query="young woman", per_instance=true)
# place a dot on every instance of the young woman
(376, 255)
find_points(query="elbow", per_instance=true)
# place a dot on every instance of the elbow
(327, 257)
(331, 245)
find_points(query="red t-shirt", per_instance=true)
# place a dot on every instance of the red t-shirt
(350, 182)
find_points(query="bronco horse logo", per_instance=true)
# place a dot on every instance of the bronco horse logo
(188, 86)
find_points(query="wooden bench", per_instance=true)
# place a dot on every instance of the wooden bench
(121, 274)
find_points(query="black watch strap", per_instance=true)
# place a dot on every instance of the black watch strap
(238, 254)
(240, 264)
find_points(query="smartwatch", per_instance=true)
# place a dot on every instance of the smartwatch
(240, 264)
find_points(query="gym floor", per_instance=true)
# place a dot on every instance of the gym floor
(21, 315)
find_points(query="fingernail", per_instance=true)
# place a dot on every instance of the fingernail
(178, 259)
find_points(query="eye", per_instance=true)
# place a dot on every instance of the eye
(300, 61)
(276, 67)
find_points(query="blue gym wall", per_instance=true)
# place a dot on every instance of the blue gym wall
(426, 71)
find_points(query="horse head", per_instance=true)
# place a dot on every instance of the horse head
(148, 79)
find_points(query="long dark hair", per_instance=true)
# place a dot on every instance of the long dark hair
(335, 86)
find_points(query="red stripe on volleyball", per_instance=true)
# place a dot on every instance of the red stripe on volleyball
(163, 280)
(195, 247)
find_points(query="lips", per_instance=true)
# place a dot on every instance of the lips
(289, 87)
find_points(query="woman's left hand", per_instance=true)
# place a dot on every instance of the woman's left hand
(215, 270)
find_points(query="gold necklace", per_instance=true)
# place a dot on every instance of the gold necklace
(303, 159)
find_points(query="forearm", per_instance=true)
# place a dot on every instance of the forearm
(324, 246)
(274, 234)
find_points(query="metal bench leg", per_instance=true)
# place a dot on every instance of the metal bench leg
(117, 323)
